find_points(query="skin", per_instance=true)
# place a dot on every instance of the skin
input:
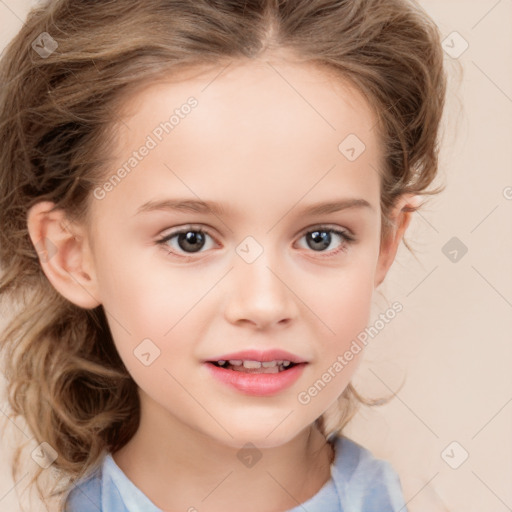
(255, 145)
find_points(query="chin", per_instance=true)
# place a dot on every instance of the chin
(260, 435)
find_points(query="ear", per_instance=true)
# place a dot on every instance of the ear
(64, 254)
(400, 218)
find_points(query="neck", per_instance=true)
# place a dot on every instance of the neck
(179, 468)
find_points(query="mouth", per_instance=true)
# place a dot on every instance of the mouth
(251, 367)
(256, 377)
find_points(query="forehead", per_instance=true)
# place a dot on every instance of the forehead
(273, 99)
(256, 126)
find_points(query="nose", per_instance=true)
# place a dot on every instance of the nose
(258, 295)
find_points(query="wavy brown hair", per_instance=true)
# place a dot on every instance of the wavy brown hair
(57, 118)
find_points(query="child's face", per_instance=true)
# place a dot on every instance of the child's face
(262, 142)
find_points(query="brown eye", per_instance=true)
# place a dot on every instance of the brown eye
(191, 241)
(185, 241)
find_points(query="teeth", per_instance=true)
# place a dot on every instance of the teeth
(255, 364)
(260, 370)
(252, 364)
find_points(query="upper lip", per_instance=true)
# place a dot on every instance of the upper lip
(260, 355)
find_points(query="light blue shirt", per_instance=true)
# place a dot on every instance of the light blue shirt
(359, 483)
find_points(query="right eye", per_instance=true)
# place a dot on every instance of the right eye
(188, 240)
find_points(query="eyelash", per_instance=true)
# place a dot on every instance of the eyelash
(346, 240)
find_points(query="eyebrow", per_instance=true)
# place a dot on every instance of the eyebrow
(215, 208)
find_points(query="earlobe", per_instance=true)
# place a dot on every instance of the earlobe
(400, 218)
(64, 254)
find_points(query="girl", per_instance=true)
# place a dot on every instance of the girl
(199, 199)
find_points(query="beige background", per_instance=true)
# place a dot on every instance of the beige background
(451, 346)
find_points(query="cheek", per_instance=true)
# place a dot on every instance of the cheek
(141, 292)
(145, 300)
(343, 300)
(344, 310)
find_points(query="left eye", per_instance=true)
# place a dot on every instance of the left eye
(192, 240)
(319, 239)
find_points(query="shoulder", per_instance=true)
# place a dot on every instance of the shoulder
(364, 481)
(85, 495)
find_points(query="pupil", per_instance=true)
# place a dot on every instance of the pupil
(189, 241)
(321, 239)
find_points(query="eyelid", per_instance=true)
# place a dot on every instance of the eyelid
(184, 229)
(313, 227)
(345, 233)
(328, 227)
(347, 239)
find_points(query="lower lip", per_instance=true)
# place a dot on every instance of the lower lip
(257, 384)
